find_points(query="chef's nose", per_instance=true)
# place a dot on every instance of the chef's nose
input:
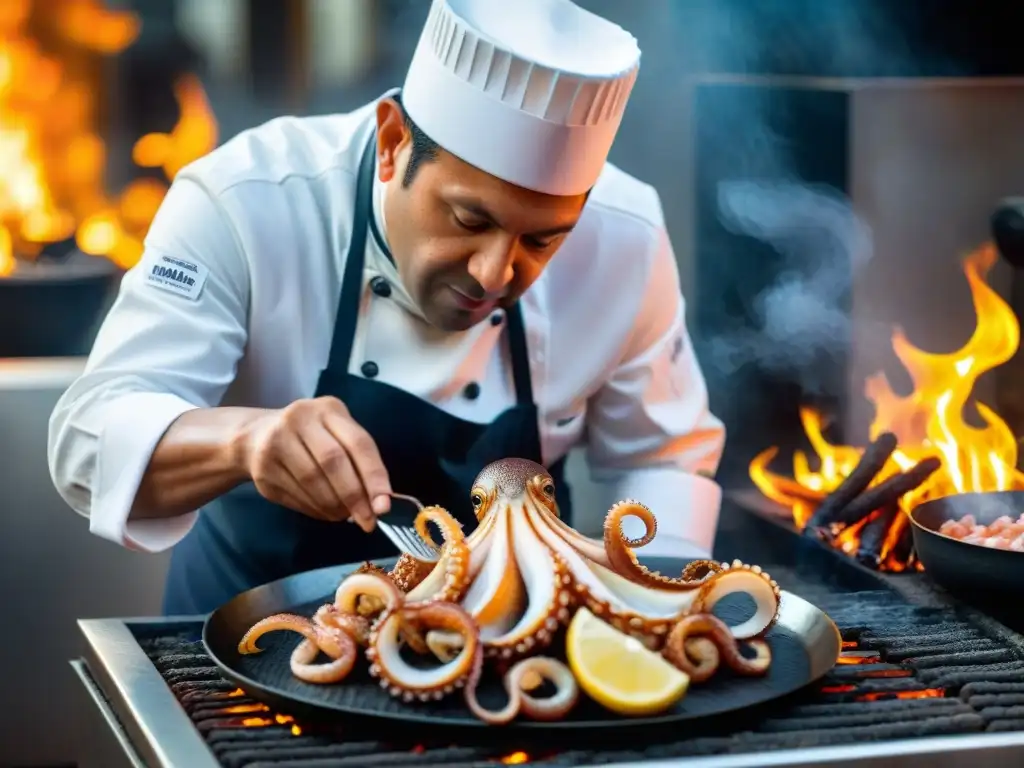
(492, 267)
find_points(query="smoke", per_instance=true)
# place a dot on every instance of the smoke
(802, 316)
(985, 507)
(793, 290)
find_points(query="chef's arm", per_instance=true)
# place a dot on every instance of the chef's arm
(159, 356)
(651, 436)
(200, 457)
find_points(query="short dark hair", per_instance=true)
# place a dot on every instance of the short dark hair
(424, 148)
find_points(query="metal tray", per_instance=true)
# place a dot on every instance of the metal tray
(805, 644)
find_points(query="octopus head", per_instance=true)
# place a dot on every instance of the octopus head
(516, 482)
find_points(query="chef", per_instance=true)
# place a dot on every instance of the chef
(332, 308)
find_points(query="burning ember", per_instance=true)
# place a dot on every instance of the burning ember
(51, 158)
(923, 448)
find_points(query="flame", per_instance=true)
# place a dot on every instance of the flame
(924, 693)
(516, 758)
(51, 158)
(930, 421)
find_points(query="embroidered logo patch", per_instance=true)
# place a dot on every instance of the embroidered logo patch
(178, 276)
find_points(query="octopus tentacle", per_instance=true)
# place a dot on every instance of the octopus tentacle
(556, 706)
(336, 643)
(407, 572)
(697, 656)
(451, 529)
(756, 665)
(403, 680)
(410, 571)
(547, 583)
(357, 627)
(450, 577)
(624, 561)
(444, 644)
(749, 579)
(277, 623)
(341, 649)
(521, 678)
(367, 593)
(682, 647)
(699, 570)
(705, 654)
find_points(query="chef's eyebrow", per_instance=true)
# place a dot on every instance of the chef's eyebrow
(476, 209)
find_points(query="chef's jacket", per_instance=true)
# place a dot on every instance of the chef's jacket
(234, 300)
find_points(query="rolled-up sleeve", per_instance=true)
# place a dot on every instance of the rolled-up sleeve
(650, 435)
(159, 353)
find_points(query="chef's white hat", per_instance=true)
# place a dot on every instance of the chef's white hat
(530, 91)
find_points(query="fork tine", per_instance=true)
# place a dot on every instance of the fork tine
(408, 541)
(392, 534)
(418, 544)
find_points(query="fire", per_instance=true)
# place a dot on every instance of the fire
(51, 158)
(929, 421)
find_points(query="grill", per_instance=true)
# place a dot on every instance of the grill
(907, 671)
(917, 673)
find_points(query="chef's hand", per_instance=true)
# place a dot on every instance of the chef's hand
(314, 458)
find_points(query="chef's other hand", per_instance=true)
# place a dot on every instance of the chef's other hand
(314, 458)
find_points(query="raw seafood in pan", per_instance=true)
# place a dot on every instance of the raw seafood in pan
(1002, 533)
(503, 595)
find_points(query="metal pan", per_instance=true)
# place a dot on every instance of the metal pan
(804, 642)
(969, 571)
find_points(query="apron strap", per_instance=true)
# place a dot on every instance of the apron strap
(352, 284)
(519, 352)
(352, 281)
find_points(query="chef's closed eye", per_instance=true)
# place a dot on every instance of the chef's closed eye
(470, 222)
(535, 243)
(568, 419)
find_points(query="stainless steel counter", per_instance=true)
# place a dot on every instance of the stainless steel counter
(53, 571)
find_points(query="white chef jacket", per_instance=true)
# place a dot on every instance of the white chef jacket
(234, 302)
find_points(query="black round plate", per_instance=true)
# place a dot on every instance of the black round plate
(804, 642)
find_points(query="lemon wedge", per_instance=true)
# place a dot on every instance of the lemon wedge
(617, 671)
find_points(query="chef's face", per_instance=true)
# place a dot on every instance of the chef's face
(464, 241)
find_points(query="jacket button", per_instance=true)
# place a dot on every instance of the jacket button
(370, 369)
(496, 318)
(381, 287)
(471, 391)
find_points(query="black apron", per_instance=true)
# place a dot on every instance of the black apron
(241, 540)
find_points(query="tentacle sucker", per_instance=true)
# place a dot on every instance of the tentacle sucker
(525, 675)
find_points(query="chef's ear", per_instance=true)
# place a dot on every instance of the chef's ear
(392, 135)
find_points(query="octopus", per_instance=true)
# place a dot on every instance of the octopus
(503, 594)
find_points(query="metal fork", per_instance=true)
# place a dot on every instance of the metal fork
(402, 531)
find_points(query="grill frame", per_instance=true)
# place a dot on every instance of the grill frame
(121, 677)
(163, 735)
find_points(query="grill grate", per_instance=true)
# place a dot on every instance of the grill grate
(907, 671)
